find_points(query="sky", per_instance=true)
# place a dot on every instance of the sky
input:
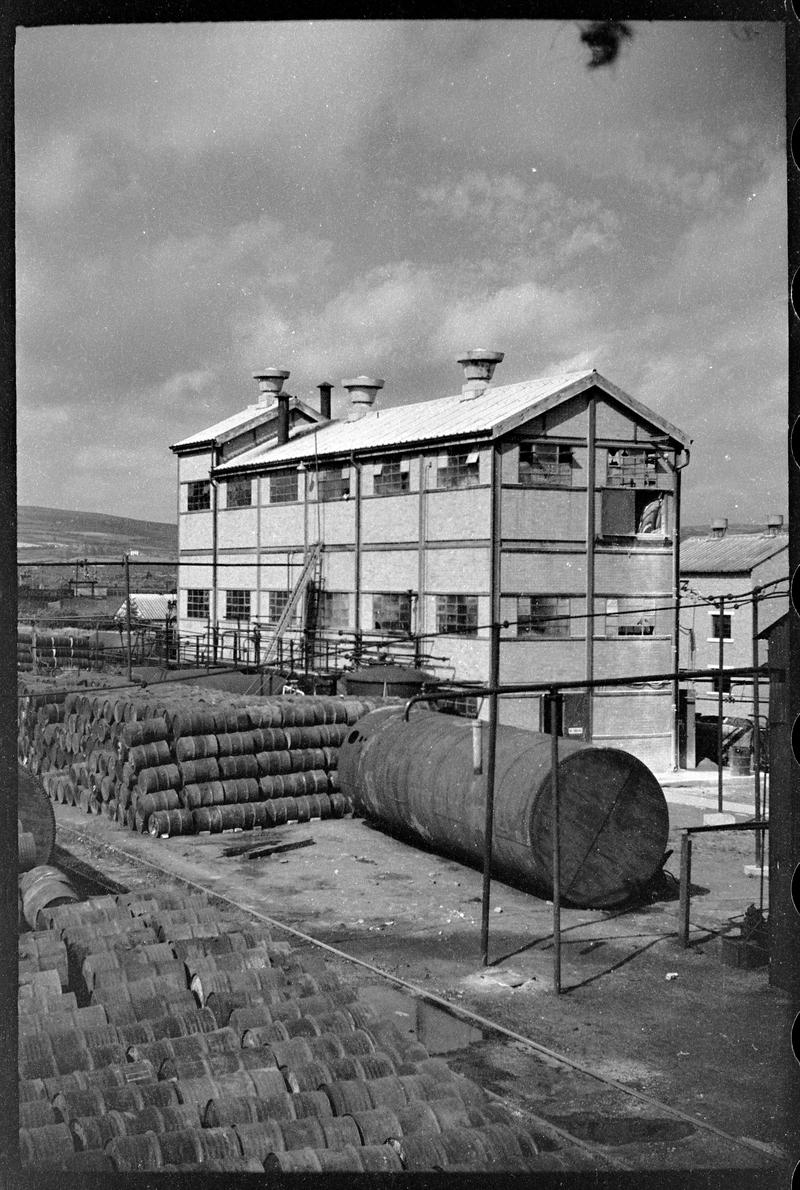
(195, 202)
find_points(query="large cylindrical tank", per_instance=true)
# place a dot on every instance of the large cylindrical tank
(417, 778)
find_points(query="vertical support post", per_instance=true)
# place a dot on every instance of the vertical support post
(685, 893)
(756, 729)
(494, 667)
(721, 636)
(591, 454)
(676, 620)
(554, 699)
(127, 563)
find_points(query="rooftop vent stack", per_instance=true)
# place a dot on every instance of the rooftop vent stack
(774, 524)
(719, 526)
(479, 366)
(270, 384)
(362, 390)
(325, 399)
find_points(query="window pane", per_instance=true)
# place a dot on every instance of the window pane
(197, 604)
(455, 470)
(277, 603)
(634, 617)
(631, 467)
(334, 610)
(390, 478)
(240, 493)
(392, 613)
(283, 486)
(545, 463)
(726, 627)
(332, 483)
(237, 605)
(618, 515)
(198, 496)
(543, 615)
(457, 615)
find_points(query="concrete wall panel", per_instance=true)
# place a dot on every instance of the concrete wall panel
(543, 573)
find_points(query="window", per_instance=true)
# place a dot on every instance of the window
(630, 617)
(333, 483)
(277, 602)
(545, 463)
(283, 486)
(458, 469)
(632, 468)
(334, 610)
(239, 493)
(198, 495)
(542, 615)
(392, 613)
(197, 604)
(457, 615)
(727, 626)
(630, 513)
(391, 477)
(237, 605)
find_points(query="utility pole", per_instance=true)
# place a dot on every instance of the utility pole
(127, 563)
(721, 641)
(756, 728)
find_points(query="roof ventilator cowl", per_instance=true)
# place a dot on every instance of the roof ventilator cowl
(479, 365)
(270, 387)
(774, 524)
(362, 390)
(719, 527)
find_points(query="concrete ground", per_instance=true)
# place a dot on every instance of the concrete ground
(674, 1025)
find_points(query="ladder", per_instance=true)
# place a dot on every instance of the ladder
(303, 580)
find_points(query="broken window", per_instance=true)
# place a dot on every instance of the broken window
(392, 612)
(543, 615)
(198, 495)
(457, 615)
(458, 469)
(545, 463)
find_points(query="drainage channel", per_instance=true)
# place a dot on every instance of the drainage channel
(467, 1038)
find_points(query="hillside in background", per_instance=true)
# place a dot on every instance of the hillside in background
(54, 533)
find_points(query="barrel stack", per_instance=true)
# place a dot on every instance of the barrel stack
(158, 1031)
(192, 760)
(42, 650)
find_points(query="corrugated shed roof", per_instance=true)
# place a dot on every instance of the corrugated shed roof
(495, 411)
(147, 606)
(733, 553)
(248, 418)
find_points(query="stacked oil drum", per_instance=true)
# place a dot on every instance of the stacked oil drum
(168, 1034)
(193, 761)
(44, 650)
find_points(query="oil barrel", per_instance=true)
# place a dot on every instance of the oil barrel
(417, 778)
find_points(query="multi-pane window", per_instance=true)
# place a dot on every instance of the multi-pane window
(457, 615)
(391, 477)
(466, 708)
(276, 602)
(239, 493)
(632, 468)
(237, 605)
(283, 486)
(727, 626)
(392, 613)
(634, 616)
(333, 483)
(197, 603)
(198, 495)
(334, 610)
(542, 615)
(545, 463)
(458, 469)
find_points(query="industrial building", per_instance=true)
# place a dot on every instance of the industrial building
(734, 585)
(550, 506)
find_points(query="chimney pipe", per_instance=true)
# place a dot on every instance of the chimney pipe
(719, 526)
(479, 366)
(774, 524)
(270, 385)
(325, 399)
(362, 390)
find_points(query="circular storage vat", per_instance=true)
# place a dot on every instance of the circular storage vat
(417, 779)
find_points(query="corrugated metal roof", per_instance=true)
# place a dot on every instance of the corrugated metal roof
(248, 418)
(495, 411)
(147, 606)
(731, 554)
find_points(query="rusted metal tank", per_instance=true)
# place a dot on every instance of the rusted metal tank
(417, 779)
